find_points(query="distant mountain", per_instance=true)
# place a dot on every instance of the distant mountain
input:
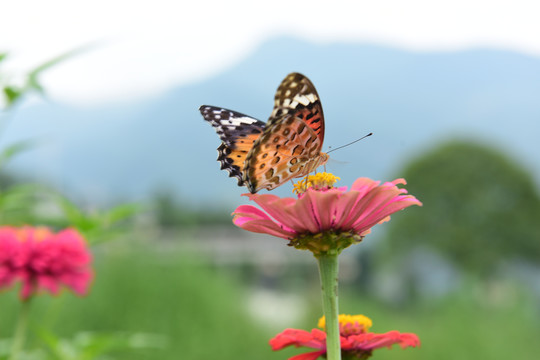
(410, 101)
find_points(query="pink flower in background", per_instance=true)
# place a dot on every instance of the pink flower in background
(9, 250)
(345, 216)
(356, 340)
(43, 260)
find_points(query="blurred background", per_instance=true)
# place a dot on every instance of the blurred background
(100, 130)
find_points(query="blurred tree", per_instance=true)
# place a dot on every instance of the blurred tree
(480, 207)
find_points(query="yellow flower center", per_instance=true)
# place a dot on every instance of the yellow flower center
(39, 233)
(350, 324)
(320, 182)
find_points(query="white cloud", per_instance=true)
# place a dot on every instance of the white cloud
(148, 46)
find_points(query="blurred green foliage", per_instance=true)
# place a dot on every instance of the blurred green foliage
(38, 205)
(85, 345)
(23, 203)
(466, 325)
(480, 208)
(97, 225)
(171, 212)
(91, 345)
(200, 312)
(20, 201)
(14, 93)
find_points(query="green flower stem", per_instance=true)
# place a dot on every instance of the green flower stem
(20, 330)
(328, 270)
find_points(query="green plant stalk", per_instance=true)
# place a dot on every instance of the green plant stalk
(20, 330)
(328, 271)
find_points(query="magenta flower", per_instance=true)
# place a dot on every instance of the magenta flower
(43, 260)
(323, 217)
(356, 342)
(9, 249)
(325, 220)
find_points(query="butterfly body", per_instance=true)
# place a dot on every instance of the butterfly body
(266, 155)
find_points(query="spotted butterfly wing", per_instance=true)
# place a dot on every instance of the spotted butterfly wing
(264, 156)
(296, 95)
(287, 149)
(291, 144)
(237, 132)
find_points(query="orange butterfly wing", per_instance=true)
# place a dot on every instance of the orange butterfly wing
(291, 144)
(238, 133)
(296, 95)
(287, 149)
(264, 156)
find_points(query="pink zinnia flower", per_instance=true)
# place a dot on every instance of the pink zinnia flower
(43, 260)
(324, 217)
(356, 340)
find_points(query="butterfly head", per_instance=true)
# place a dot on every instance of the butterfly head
(315, 162)
(323, 158)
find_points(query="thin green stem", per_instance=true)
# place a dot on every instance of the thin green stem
(328, 270)
(20, 330)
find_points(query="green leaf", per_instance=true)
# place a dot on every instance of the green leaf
(96, 226)
(12, 94)
(16, 204)
(33, 82)
(75, 216)
(91, 345)
(122, 212)
(52, 342)
(15, 149)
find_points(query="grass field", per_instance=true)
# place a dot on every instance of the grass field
(200, 310)
(459, 327)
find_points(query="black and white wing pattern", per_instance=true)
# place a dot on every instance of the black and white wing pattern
(238, 133)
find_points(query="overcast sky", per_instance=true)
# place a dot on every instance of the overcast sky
(144, 47)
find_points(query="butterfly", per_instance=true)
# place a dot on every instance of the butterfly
(266, 155)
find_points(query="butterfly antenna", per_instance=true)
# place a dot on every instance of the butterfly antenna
(355, 141)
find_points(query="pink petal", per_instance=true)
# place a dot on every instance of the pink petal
(344, 209)
(364, 185)
(315, 339)
(399, 181)
(27, 289)
(273, 205)
(325, 206)
(285, 211)
(78, 282)
(251, 212)
(49, 283)
(371, 205)
(357, 210)
(252, 219)
(384, 210)
(263, 227)
(371, 341)
(375, 198)
(43, 260)
(306, 213)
